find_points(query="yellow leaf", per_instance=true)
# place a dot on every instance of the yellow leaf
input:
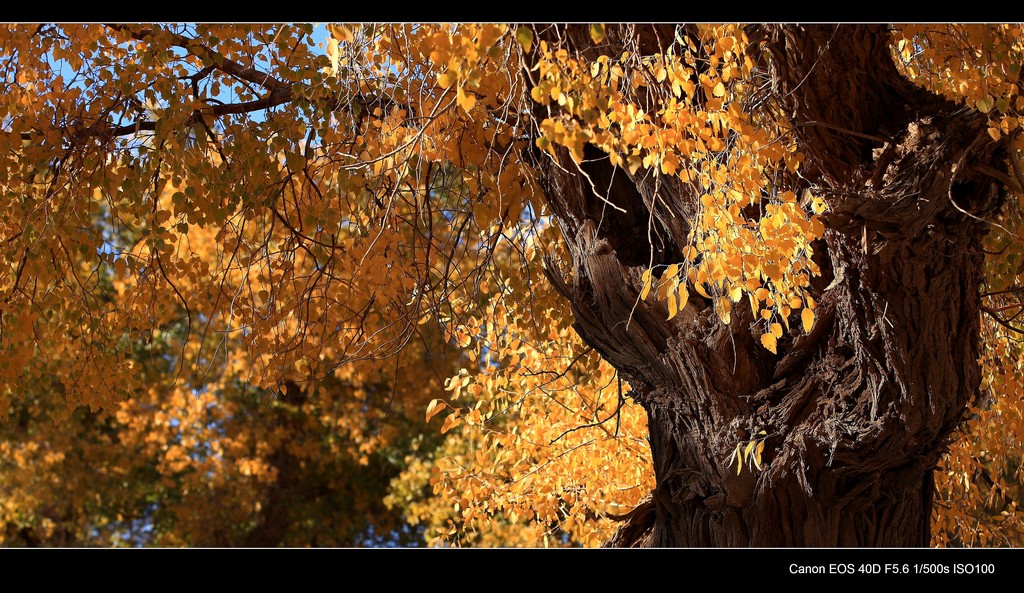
(736, 293)
(719, 90)
(332, 53)
(807, 316)
(723, 308)
(524, 35)
(757, 454)
(700, 290)
(768, 341)
(670, 272)
(748, 450)
(447, 78)
(776, 330)
(647, 285)
(634, 163)
(684, 295)
(672, 310)
(597, 32)
(466, 100)
(539, 96)
(669, 164)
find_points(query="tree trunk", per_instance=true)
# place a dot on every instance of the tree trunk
(858, 412)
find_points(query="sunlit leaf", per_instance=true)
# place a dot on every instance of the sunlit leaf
(807, 316)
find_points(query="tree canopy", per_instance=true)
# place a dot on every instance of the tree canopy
(286, 285)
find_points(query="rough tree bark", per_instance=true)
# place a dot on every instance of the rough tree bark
(859, 411)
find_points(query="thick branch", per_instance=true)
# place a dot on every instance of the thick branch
(842, 78)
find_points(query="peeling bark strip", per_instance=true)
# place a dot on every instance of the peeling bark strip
(858, 413)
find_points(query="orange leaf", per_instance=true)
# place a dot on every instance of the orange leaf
(451, 422)
(341, 33)
(807, 316)
(435, 407)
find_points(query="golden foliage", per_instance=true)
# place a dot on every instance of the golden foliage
(193, 214)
